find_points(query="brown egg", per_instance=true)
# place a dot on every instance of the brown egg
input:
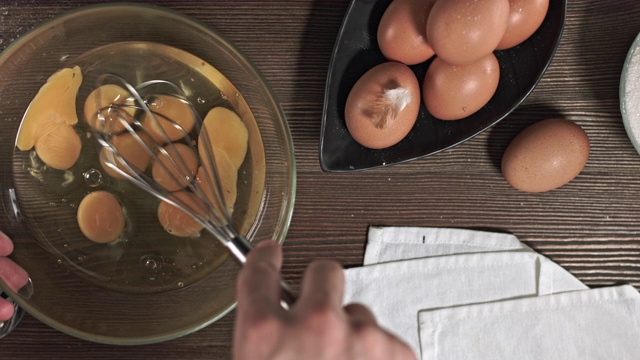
(463, 31)
(60, 147)
(545, 155)
(100, 217)
(402, 32)
(383, 105)
(525, 17)
(174, 117)
(453, 92)
(55, 103)
(131, 150)
(101, 115)
(177, 222)
(226, 133)
(177, 169)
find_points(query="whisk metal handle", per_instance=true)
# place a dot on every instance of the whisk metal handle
(240, 247)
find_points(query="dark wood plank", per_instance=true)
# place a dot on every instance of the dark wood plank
(590, 226)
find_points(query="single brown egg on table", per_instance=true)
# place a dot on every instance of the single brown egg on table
(175, 118)
(525, 17)
(545, 155)
(175, 169)
(100, 217)
(226, 133)
(107, 107)
(402, 31)
(129, 149)
(383, 105)
(453, 92)
(60, 147)
(177, 222)
(463, 31)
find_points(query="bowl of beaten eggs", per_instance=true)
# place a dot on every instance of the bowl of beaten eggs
(411, 78)
(108, 262)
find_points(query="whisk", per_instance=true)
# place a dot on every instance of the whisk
(211, 211)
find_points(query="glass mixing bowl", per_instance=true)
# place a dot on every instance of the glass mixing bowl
(127, 293)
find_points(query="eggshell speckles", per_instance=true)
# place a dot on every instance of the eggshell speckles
(463, 31)
(383, 105)
(453, 92)
(545, 156)
(525, 17)
(402, 32)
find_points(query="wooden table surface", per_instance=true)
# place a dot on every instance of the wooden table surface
(589, 226)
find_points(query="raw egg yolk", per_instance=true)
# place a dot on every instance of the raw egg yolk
(174, 116)
(100, 217)
(60, 147)
(228, 176)
(107, 107)
(177, 222)
(226, 133)
(55, 103)
(175, 169)
(228, 140)
(131, 150)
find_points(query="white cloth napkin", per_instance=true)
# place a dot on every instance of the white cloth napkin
(590, 324)
(402, 243)
(447, 267)
(395, 243)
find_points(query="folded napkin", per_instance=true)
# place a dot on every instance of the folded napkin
(402, 243)
(590, 324)
(394, 243)
(447, 267)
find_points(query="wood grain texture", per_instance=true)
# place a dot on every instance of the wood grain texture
(590, 226)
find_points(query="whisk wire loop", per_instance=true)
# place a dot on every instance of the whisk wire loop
(210, 211)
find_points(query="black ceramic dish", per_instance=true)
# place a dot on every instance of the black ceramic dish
(357, 51)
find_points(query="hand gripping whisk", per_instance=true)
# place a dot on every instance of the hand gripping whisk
(211, 211)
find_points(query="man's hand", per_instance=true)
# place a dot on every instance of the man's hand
(12, 274)
(316, 327)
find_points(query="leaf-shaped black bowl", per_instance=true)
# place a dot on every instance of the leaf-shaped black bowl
(357, 51)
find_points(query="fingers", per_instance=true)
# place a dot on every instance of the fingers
(6, 310)
(6, 246)
(317, 326)
(374, 338)
(259, 281)
(372, 341)
(400, 350)
(12, 274)
(360, 316)
(322, 286)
